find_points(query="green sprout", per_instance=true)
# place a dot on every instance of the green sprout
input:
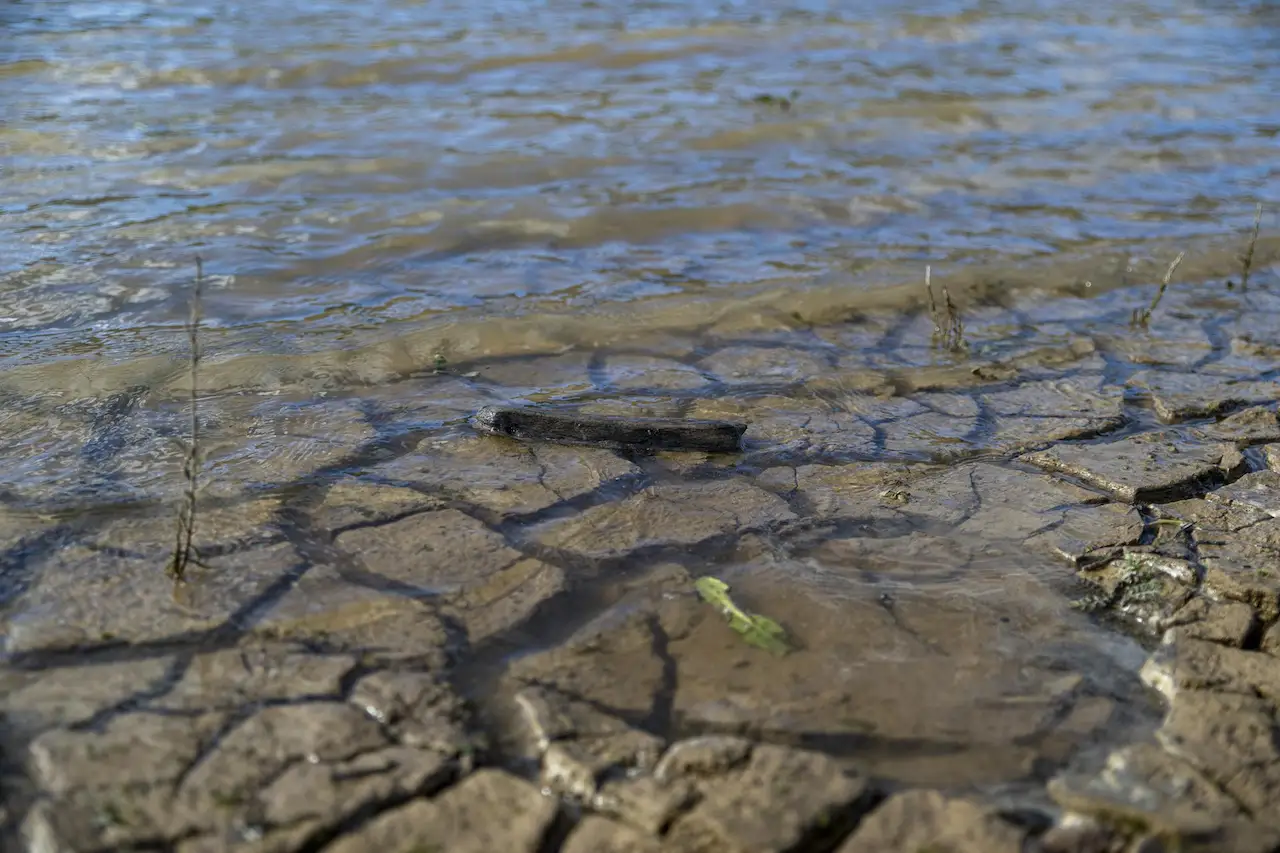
(757, 630)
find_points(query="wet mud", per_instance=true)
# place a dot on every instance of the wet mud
(993, 567)
(1032, 586)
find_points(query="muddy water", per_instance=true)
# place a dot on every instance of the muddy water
(409, 211)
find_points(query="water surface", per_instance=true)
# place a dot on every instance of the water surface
(348, 170)
(410, 210)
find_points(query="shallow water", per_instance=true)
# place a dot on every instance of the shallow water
(353, 169)
(360, 179)
(411, 210)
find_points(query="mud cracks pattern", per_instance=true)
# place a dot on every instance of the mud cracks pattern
(405, 628)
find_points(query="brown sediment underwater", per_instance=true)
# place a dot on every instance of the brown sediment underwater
(943, 512)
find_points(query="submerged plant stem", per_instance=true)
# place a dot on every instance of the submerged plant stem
(184, 551)
(1246, 260)
(933, 305)
(1141, 318)
(948, 327)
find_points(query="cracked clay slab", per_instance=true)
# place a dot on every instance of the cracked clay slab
(1143, 468)
(1177, 397)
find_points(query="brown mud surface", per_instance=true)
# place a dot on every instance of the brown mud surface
(1033, 589)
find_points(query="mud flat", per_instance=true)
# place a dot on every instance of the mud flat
(1031, 589)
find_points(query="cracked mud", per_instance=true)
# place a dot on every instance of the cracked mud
(1035, 594)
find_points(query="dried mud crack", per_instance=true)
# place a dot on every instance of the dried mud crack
(415, 637)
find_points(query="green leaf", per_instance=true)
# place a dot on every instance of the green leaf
(756, 630)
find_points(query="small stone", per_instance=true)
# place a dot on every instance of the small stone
(927, 820)
(1259, 490)
(1226, 622)
(1250, 426)
(1212, 519)
(1271, 640)
(326, 794)
(546, 715)
(488, 811)
(575, 767)
(419, 708)
(1197, 665)
(1077, 834)
(1271, 455)
(1144, 468)
(1149, 787)
(645, 802)
(599, 835)
(779, 801)
(1245, 566)
(709, 755)
(1258, 590)
(1233, 739)
(1087, 534)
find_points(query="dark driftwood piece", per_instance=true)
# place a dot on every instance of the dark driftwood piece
(615, 431)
